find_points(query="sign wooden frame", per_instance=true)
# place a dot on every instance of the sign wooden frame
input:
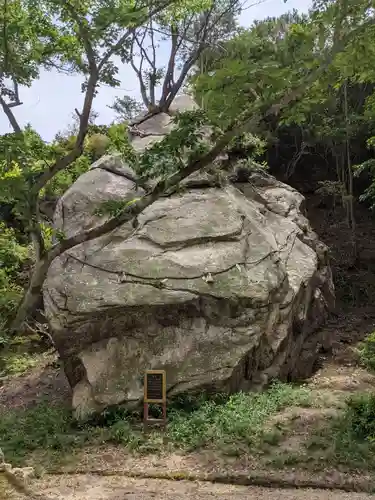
(162, 401)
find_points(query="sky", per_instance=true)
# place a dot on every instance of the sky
(50, 102)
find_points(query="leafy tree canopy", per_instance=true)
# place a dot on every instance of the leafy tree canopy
(305, 73)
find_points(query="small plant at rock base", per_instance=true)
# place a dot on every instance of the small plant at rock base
(122, 433)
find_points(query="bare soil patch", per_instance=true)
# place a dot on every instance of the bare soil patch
(44, 382)
(121, 488)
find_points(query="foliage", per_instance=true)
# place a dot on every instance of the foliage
(343, 442)
(189, 27)
(44, 427)
(368, 166)
(113, 207)
(361, 412)
(15, 180)
(15, 364)
(231, 425)
(126, 108)
(349, 439)
(240, 420)
(260, 63)
(30, 40)
(12, 257)
(190, 138)
(185, 141)
(100, 140)
(250, 143)
(367, 351)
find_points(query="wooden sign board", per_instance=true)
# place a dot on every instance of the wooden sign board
(155, 392)
(155, 386)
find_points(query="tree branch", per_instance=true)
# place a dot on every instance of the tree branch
(16, 97)
(85, 36)
(138, 72)
(95, 69)
(16, 101)
(84, 116)
(247, 121)
(167, 98)
(169, 75)
(10, 115)
(118, 45)
(34, 228)
(76, 152)
(153, 82)
(152, 64)
(206, 24)
(142, 49)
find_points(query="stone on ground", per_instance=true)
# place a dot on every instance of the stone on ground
(223, 287)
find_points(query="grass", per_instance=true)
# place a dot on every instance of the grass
(240, 421)
(14, 364)
(20, 354)
(40, 428)
(350, 439)
(345, 442)
(229, 424)
(234, 425)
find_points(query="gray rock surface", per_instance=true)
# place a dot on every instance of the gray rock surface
(224, 288)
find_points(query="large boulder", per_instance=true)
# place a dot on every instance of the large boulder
(223, 287)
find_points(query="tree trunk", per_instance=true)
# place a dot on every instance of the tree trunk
(344, 190)
(31, 298)
(350, 176)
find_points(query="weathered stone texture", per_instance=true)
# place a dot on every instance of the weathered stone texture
(225, 288)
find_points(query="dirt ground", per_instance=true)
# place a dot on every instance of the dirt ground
(121, 488)
(104, 472)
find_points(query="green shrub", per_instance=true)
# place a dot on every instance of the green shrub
(367, 352)
(124, 434)
(361, 415)
(12, 257)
